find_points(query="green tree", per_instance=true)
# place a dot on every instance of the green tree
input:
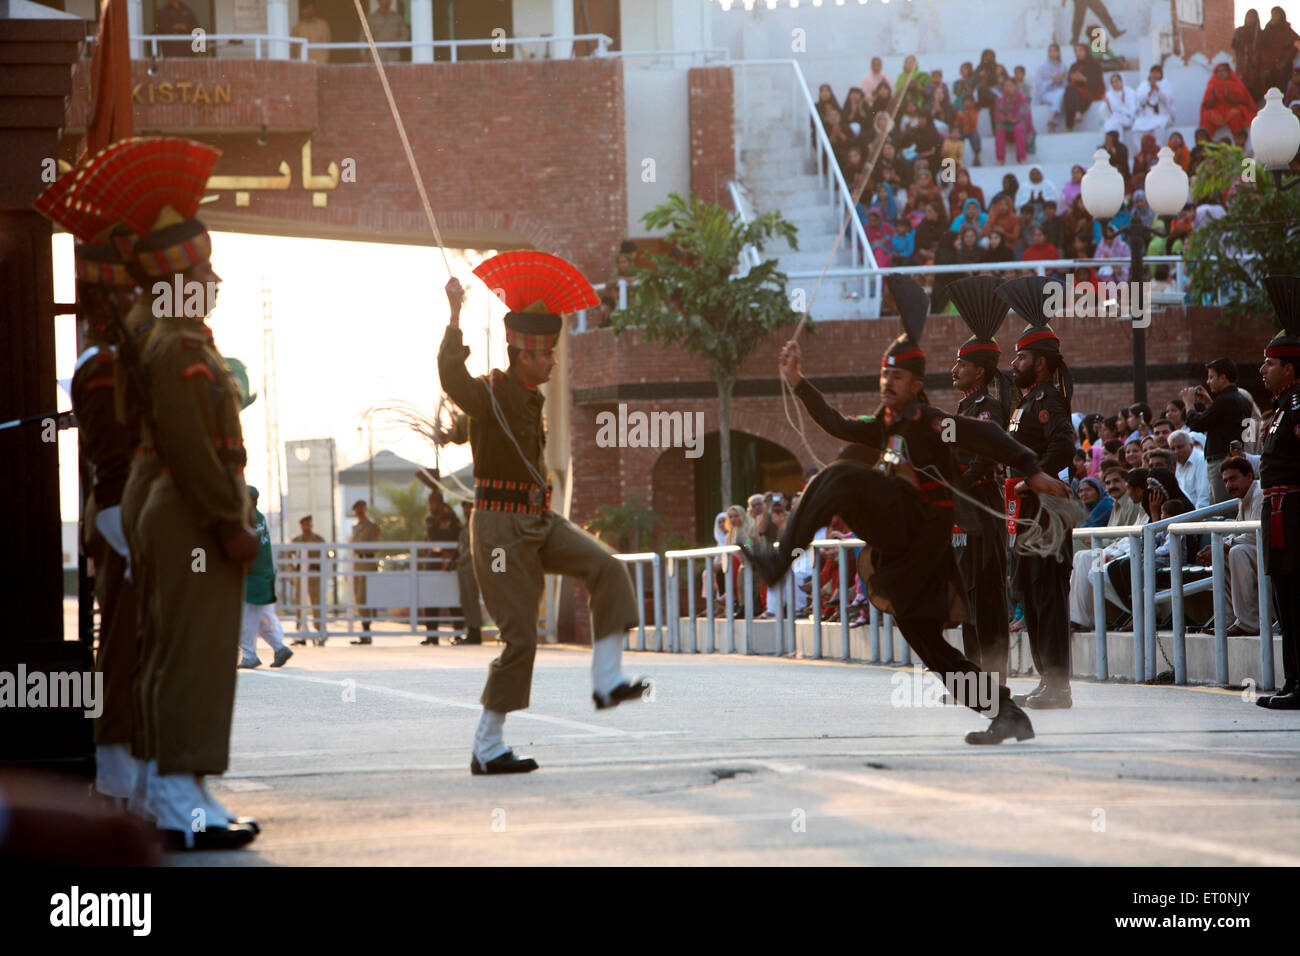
(697, 300)
(1256, 237)
(632, 527)
(404, 520)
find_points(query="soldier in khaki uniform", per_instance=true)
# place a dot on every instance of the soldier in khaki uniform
(363, 561)
(309, 566)
(515, 537)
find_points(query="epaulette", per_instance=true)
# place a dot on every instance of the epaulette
(495, 377)
(1295, 401)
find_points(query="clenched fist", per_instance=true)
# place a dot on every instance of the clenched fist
(790, 360)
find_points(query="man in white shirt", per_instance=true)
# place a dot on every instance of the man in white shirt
(1243, 570)
(1190, 470)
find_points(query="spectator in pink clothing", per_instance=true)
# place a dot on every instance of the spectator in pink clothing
(1009, 120)
(874, 78)
(1112, 246)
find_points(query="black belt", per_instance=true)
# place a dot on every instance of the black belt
(516, 497)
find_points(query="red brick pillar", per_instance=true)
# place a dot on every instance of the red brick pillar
(712, 118)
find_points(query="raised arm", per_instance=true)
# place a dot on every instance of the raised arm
(831, 421)
(456, 380)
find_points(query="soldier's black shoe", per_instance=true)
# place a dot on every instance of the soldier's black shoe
(431, 639)
(1051, 697)
(1289, 701)
(506, 763)
(475, 636)
(362, 640)
(1267, 702)
(1019, 699)
(767, 563)
(230, 837)
(1011, 722)
(632, 690)
(299, 642)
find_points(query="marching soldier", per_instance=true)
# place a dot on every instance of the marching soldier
(468, 586)
(1042, 422)
(514, 536)
(1279, 480)
(363, 562)
(983, 559)
(308, 585)
(901, 507)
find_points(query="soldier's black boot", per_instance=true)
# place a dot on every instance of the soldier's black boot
(769, 564)
(1288, 690)
(1020, 699)
(1010, 723)
(475, 636)
(1053, 695)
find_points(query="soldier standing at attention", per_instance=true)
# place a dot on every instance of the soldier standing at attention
(516, 538)
(441, 525)
(1279, 480)
(983, 558)
(468, 586)
(363, 561)
(309, 584)
(1042, 422)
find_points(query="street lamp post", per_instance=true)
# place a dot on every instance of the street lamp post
(1102, 191)
(1275, 136)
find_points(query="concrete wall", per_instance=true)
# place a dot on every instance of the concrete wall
(657, 131)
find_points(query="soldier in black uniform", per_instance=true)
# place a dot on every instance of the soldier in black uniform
(1279, 479)
(982, 556)
(902, 508)
(1042, 421)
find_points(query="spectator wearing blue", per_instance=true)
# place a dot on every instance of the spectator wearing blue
(971, 215)
(259, 597)
(1099, 504)
(903, 243)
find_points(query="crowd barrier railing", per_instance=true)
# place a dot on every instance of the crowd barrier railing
(1097, 574)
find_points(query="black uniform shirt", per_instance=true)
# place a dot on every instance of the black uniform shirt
(1279, 467)
(1043, 423)
(983, 407)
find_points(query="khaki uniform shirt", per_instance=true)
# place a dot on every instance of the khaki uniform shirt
(521, 407)
(315, 30)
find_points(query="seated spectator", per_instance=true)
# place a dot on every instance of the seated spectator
(839, 140)
(1125, 511)
(1121, 105)
(1113, 246)
(1118, 153)
(941, 109)
(1182, 155)
(1139, 420)
(1133, 453)
(1162, 486)
(852, 166)
(1162, 458)
(911, 82)
(922, 142)
(964, 88)
(855, 118)
(1010, 188)
(1077, 221)
(1155, 106)
(967, 120)
(886, 202)
(1226, 102)
(902, 245)
(1020, 75)
(968, 247)
(1049, 84)
(1161, 429)
(910, 117)
(1243, 572)
(879, 233)
(1239, 140)
(1009, 122)
(1084, 85)
(1038, 189)
(1146, 157)
(1053, 225)
(1197, 154)
(1002, 218)
(1070, 191)
(996, 249)
(930, 231)
(1039, 248)
(1096, 502)
(971, 216)
(935, 85)
(880, 104)
(1191, 468)
(988, 81)
(954, 147)
(873, 79)
(889, 167)
(825, 97)
(923, 190)
(963, 190)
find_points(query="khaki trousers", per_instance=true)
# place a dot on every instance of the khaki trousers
(512, 553)
(141, 476)
(309, 595)
(195, 610)
(1243, 585)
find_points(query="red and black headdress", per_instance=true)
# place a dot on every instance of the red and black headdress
(1029, 297)
(983, 311)
(913, 307)
(537, 288)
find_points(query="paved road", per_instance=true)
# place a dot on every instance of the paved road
(360, 756)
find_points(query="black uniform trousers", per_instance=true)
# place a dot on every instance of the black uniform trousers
(1286, 598)
(913, 545)
(1044, 585)
(987, 638)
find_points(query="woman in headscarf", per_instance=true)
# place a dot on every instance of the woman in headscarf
(1077, 220)
(942, 112)
(854, 117)
(1003, 218)
(1197, 155)
(968, 246)
(1245, 53)
(1084, 85)
(881, 102)
(923, 190)
(1140, 210)
(930, 230)
(962, 190)
(1113, 145)
(1010, 186)
(1277, 49)
(988, 73)
(1113, 246)
(885, 202)
(1008, 121)
(911, 83)
(1155, 106)
(878, 234)
(965, 89)
(1227, 102)
(1168, 490)
(824, 95)
(1049, 84)
(998, 248)
(1143, 161)
(1096, 503)
(874, 78)
(1182, 155)
(1122, 104)
(715, 569)
(1070, 191)
(971, 216)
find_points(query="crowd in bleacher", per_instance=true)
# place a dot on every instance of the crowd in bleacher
(918, 205)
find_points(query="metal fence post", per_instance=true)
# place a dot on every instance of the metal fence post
(414, 609)
(874, 613)
(1180, 622)
(1149, 603)
(843, 558)
(708, 604)
(887, 641)
(1266, 676)
(1220, 609)
(729, 595)
(749, 607)
(816, 605)
(640, 606)
(1136, 603)
(1098, 575)
(656, 567)
(690, 605)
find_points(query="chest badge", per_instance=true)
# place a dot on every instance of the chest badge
(1044, 416)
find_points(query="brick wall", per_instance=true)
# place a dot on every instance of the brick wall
(713, 155)
(513, 154)
(1215, 33)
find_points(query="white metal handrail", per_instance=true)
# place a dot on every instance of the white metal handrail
(1216, 530)
(601, 40)
(749, 257)
(258, 39)
(1098, 575)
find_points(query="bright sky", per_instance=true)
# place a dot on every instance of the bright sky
(356, 324)
(1292, 8)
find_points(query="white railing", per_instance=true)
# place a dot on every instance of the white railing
(1097, 573)
(1216, 530)
(807, 129)
(639, 562)
(266, 42)
(749, 257)
(704, 55)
